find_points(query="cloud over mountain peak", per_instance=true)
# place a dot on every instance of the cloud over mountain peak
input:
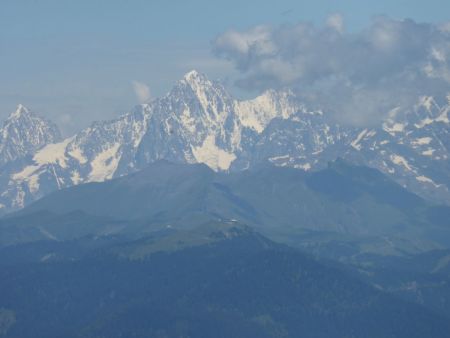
(360, 76)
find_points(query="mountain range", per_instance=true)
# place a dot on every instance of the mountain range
(179, 249)
(198, 121)
(343, 210)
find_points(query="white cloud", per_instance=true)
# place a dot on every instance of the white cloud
(361, 76)
(336, 22)
(142, 91)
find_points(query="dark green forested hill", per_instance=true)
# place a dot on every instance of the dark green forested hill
(219, 280)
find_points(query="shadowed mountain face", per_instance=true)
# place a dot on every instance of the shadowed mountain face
(219, 280)
(341, 202)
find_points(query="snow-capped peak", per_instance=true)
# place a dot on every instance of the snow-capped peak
(258, 112)
(20, 111)
(194, 75)
(25, 132)
(213, 98)
(199, 82)
(198, 121)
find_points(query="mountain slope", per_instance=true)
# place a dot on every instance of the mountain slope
(347, 201)
(198, 121)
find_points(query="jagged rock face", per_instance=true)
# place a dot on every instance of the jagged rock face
(413, 147)
(195, 122)
(23, 133)
(199, 122)
(94, 154)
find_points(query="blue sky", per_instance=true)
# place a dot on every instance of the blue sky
(75, 61)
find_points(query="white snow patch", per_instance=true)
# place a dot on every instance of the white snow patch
(47, 257)
(25, 173)
(257, 113)
(75, 177)
(236, 136)
(29, 176)
(54, 153)
(210, 154)
(369, 134)
(394, 128)
(422, 141)
(305, 166)
(428, 152)
(187, 120)
(399, 160)
(355, 143)
(425, 179)
(444, 116)
(19, 200)
(77, 154)
(33, 183)
(277, 158)
(47, 234)
(197, 84)
(424, 123)
(105, 164)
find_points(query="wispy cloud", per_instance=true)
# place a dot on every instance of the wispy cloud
(359, 75)
(336, 21)
(142, 91)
